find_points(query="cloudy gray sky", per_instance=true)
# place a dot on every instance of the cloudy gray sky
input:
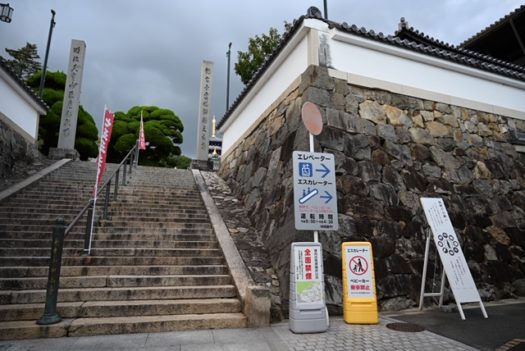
(150, 52)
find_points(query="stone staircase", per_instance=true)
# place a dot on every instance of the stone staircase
(155, 264)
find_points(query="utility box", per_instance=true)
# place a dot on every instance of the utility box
(359, 284)
(308, 313)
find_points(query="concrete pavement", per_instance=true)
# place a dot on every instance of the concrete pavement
(278, 337)
(502, 331)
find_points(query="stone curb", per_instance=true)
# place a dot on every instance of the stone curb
(30, 180)
(255, 299)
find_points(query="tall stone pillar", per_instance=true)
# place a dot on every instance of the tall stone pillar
(203, 130)
(68, 120)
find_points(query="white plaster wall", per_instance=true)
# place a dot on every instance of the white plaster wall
(18, 110)
(402, 71)
(273, 86)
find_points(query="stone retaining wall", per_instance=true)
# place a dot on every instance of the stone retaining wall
(15, 151)
(390, 150)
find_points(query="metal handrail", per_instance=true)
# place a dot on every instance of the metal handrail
(50, 315)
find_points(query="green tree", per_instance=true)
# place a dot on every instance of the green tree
(49, 127)
(24, 62)
(260, 48)
(162, 130)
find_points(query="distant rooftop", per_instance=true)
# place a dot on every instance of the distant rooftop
(504, 39)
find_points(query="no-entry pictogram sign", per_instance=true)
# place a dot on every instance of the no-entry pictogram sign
(358, 265)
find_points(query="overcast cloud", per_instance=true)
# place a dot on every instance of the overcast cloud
(150, 52)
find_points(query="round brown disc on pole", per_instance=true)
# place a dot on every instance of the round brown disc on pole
(312, 119)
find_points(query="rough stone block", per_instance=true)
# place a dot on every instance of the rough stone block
(257, 305)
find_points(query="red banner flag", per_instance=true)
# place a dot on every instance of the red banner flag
(142, 138)
(107, 126)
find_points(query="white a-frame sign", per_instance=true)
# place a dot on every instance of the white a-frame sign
(454, 264)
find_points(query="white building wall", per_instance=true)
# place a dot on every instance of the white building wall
(402, 71)
(18, 110)
(373, 64)
(261, 97)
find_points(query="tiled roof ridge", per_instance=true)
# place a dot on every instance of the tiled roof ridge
(23, 85)
(447, 52)
(492, 26)
(459, 55)
(404, 28)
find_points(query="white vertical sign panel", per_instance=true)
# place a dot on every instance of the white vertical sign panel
(308, 274)
(447, 244)
(68, 120)
(203, 130)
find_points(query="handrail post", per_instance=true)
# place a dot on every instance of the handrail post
(87, 234)
(131, 164)
(124, 175)
(50, 315)
(137, 155)
(116, 185)
(106, 199)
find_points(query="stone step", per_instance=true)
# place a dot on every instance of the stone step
(43, 243)
(32, 221)
(49, 204)
(135, 251)
(116, 281)
(154, 222)
(121, 325)
(69, 271)
(195, 235)
(182, 228)
(91, 309)
(115, 260)
(168, 217)
(122, 293)
(119, 227)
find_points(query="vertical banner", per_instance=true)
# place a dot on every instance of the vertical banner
(68, 120)
(142, 138)
(203, 134)
(107, 127)
(359, 286)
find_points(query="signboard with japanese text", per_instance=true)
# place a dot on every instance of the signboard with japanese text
(359, 269)
(447, 244)
(203, 128)
(308, 274)
(315, 196)
(68, 119)
(359, 284)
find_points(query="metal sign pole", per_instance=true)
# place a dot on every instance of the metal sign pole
(316, 233)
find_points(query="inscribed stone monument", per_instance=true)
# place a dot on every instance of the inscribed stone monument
(68, 121)
(204, 110)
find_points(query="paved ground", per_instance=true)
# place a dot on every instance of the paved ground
(502, 331)
(506, 322)
(278, 337)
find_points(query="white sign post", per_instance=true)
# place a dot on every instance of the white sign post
(454, 264)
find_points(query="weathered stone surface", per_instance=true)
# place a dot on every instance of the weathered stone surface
(372, 111)
(421, 136)
(396, 116)
(431, 170)
(369, 171)
(387, 132)
(437, 129)
(427, 115)
(357, 147)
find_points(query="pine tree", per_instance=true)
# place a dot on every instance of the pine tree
(24, 62)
